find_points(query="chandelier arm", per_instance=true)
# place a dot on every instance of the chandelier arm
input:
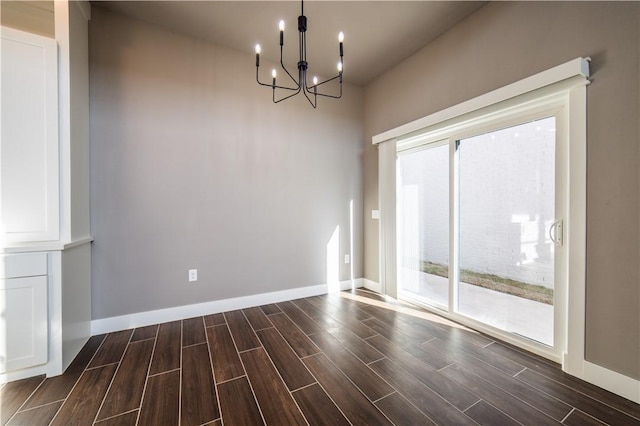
(290, 76)
(323, 82)
(271, 85)
(259, 82)
(286, 97)
(285, 88)
(327, 95)
(310, 89)
(306, 95)
(286, 70)
(330, 96)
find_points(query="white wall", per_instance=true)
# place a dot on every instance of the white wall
(193, 166)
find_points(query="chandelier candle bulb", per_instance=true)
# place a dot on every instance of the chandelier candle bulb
(341, 40)
(273, 74)
(340, 67)
(257, 55)
(281, 26)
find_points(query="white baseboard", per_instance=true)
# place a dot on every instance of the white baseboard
(372, 285)
(141, 319)
(607, 379)
(612, 381)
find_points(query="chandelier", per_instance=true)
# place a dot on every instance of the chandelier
(301, 84)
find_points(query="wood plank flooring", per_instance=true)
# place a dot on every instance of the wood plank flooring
(345, 358)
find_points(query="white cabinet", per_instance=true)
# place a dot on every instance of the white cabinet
(29, 175)
(45, 241)
(29, 193)
(23, 302)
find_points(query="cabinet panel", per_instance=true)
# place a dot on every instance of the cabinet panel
(29, 152)
(23, 325)
(23, 265)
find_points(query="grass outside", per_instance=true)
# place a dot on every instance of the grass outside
(533, 292)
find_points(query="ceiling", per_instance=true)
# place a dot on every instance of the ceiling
(378, 34)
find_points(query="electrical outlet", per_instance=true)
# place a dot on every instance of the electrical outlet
(346, 258)
(193, 275)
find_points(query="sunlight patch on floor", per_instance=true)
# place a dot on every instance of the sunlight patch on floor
(405, 310)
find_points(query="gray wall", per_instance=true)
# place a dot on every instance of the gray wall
(504, 42)
(193, 166)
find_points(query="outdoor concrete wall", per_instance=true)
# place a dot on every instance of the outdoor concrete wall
(193, 166)
(507, 201)
(507, 41)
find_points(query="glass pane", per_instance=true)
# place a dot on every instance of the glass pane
(507, 192)
(423, 225)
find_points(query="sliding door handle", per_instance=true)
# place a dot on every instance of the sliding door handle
(555, 232)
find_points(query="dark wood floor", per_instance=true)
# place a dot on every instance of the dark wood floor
(347, 358)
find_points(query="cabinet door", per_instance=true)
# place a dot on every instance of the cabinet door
(29, 182)
(23, 324)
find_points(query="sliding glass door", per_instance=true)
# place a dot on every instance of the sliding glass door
(479, 229)
(506, 210)
(423, 224)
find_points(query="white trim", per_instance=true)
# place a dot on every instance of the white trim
(612, 381)
(387, 200)
(574, 360)
(372, 285)
(45, 246)
(576, 67)
(62, 32)
(75, 243)
(521, 109)
(141, 319)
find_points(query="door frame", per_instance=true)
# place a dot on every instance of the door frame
(547, 106)
(569, 80)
